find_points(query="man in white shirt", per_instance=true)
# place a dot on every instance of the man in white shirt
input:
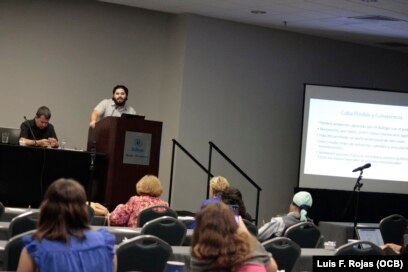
(112, 107)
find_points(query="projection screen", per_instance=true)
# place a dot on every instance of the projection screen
(345, 128)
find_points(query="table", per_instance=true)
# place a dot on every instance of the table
(121, 233)
(340, 232)
(304, 263)
(26, 172)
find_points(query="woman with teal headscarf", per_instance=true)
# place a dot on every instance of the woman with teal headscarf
(301, 203)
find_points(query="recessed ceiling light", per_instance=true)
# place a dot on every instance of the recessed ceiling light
(258, 11)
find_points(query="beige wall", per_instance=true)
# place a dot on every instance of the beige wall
(237, 85)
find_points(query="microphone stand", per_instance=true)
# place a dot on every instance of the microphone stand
(91, 171)
(29, 127)
(357, 188)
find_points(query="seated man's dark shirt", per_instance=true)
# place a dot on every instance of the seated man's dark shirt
(39, 134)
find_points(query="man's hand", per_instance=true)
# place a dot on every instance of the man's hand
(92, 124)
(53, 142)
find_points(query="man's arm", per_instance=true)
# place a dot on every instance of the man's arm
(94, 118)
(42, 142)
(52, 137)
(25, 134)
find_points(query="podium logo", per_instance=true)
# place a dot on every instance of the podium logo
(137, 148)
(138, 145)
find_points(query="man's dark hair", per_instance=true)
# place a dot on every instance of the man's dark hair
(121, 87)
(43, 111)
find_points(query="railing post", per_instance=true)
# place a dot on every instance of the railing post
(209, 171)
(212, 145)
(257, 206)
(171, 170)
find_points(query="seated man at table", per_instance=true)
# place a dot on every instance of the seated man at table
(301, 203)
(38, 131)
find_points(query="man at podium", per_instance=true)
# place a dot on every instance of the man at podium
(112, 107)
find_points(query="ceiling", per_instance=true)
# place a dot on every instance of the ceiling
(382, 23)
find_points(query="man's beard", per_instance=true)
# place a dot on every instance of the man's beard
(117, 103)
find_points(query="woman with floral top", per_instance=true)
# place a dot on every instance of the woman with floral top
(149, 190)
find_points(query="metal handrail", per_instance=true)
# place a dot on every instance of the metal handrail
(259, 189)
(175, 143)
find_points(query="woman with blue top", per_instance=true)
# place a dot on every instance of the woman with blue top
(63, 240)
(218, 185)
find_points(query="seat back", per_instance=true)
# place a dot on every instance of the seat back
(1, 209)
(23, 222)
(167, 228)
(251, 227)
(91, 213)
(284, 251)
(12, 251)
(154, 212)
(305, 234)
(143, 253)
(359, 248)
(393, 228)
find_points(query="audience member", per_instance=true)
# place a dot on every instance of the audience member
(149, 190)
(217, 185)
(219, 243)
(301, 203)
(63, 240)
(39, 131)
(394, 249)
(233, 196)
(112, 107)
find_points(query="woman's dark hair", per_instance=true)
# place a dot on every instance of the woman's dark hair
(63, 211)
(232, 196)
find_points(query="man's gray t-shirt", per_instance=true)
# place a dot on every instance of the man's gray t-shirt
(107, 107)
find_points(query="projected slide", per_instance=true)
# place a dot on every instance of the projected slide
(342, 135)
(345, 128)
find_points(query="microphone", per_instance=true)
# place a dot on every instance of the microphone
(361, 168)
(28, 124)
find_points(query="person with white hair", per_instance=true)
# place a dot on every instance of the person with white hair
(301, 203)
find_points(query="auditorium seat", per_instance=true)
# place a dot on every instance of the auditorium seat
(23, 222)
(284, 251)
(359, 248)
(154, 212)
(305, 234)
(143, 253)
(393, 228)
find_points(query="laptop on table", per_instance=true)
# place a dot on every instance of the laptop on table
(371, 234)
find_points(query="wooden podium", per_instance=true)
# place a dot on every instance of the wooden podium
(132, 148)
